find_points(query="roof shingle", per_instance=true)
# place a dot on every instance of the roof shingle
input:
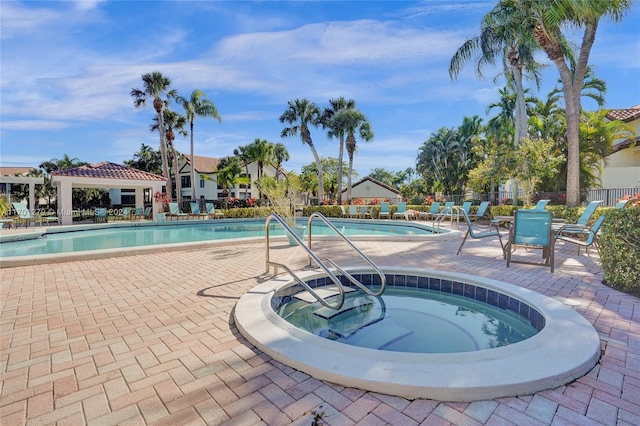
(107, 170)
(625, 115)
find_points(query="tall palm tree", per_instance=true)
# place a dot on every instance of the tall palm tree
(244, 156)
(301, 114)
(503, 34)
(156, 85)
(352, 121)
(280, 155)
(171, 121)
(337, 105)
(197, 105)
(549, 17)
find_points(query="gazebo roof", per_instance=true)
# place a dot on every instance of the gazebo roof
(107, 170)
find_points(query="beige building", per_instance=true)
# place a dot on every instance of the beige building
(622, 167)
(369, 188)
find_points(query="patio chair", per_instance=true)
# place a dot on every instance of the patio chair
(24, 214)
(211, 211)
(364, 213)
(138, 213)
(353, 212)
(541, 205)
(582, 221)
(587, 238)
(481, 213)
(473, 233)
(433, 211)
(195, 211)
(448, 211)
(466, 206)
(402, 212)
(174, 211)
(148, 214)
(384, 211)
(100, 215)
(343, 212)
(532, 229)
(46, 217)
(123, 213)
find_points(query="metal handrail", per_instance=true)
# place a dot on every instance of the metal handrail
(311, 254)
(383, 278)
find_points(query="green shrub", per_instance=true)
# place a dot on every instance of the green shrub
(620, 249)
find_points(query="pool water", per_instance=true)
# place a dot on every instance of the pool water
(411, 320)
(145, 234)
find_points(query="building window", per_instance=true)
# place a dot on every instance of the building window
(247, 186)
(201, 183)
(185, 181)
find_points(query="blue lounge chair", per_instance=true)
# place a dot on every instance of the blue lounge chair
(402, 212)
(433, 211)
(211, 211)
(195, 211)
(587, 238)
(541, 205)
(466, 206)
(582, 221)
(384, 211)
(364, 212)
(343, 212)
(174, 211)
(532, 229)
(353, 212)
(24, 214)
(471, 232)
(481, 213)
(100, 215)
(448, 211)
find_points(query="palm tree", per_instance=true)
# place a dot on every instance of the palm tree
(199, 106)
(337, 105)
(301, 114)
(228, 175)
(503, 33)
(352, 121)
(171, 121)
(244, 156)
(146, 159)
(549, 18)
(156, 85)
(280, 155)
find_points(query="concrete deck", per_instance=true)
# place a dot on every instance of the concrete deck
(150, 339)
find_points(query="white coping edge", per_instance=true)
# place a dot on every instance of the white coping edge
(16, 261)
(567, 348)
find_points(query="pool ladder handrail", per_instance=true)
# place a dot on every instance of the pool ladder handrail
(383, 278)
(311, 254)
(320, 263)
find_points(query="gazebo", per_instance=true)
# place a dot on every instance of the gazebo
(103, 175)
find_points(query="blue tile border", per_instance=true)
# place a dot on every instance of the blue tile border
(471, 291)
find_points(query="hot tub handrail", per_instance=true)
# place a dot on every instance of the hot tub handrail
(311, 254)
(383, 278)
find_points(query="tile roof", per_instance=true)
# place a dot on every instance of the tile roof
(374, 181)
(204, 164)
(625, 115)
(15, 171)
(107, 170)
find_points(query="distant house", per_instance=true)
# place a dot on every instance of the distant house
(207, 186)
(622, 167)
(368, 189)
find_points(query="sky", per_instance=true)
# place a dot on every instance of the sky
(67, 69)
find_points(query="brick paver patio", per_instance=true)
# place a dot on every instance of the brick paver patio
(150, 340)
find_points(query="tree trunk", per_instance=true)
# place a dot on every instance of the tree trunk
(340, 156)
(163, 154)
(306, 137)
(520, 128)
(193, 166)
(350, 171)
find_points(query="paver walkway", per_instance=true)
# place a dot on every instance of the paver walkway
(150, 340)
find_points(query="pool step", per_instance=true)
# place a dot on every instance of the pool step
(382, 336)
(324, 292)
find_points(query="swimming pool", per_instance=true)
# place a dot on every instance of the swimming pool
(565, 346)
(95, 241)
